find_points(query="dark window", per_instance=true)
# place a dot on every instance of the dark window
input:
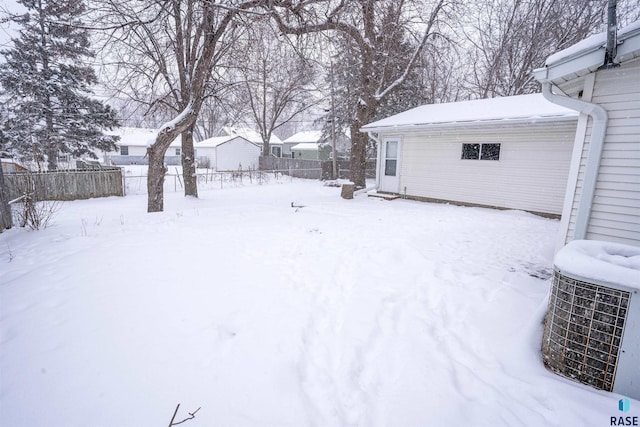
(390, 167)
(124, 150)
(471, 151)
(481, 151)
(391, 158)
(490, 152)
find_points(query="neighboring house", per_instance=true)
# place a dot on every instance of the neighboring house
(12, 166)
(512, 152)
(132, 148)
(343, 144)
(602, 199)
(311, 151)
(228, 153)
(275, 144)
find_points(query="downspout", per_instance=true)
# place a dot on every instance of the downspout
(376, 139)
(598, 132)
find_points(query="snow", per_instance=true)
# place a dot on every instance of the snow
(591, 43)
(216, 141)
(249, 135)
(282, 305)
(509, 109)
(139, 137)
(608, 262)
(307, 136)
(306, 146)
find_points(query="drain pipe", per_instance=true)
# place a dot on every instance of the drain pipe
(596, 144)
(376, 138)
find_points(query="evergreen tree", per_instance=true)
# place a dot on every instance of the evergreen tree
(49, 108)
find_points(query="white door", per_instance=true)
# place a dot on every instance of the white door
(390, 167)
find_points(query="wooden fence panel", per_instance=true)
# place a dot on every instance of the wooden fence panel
(298, 168)
(313, 169)
(66, 185)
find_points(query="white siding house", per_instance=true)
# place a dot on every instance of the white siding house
(603, 193)
(511, 152)
(275, 144)
(228, 153)
(132, 148)
(343, 142)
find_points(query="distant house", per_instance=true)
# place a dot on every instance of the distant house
(311, 151)
(319, 141)
(132, 148)
(602, 200)
(275, 144)
(12, 166)
(226, 153)
(512, 152)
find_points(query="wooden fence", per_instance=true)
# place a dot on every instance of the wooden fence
(298, 168)
(313, 169)
(65, 185)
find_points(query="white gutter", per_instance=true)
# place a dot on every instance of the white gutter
(486, 124)
(596, 144)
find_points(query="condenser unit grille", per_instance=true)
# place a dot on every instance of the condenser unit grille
(583, 330)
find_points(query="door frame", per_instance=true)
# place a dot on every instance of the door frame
(387, 183)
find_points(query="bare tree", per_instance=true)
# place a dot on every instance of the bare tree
(372, 29)
(277, 79)
(510, 38)
(181, 41)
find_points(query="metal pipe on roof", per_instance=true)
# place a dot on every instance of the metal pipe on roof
(612, 37)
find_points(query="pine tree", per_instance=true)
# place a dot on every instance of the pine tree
(49, 104)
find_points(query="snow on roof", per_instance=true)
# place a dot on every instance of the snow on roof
(608, 262)
(513, 108)
(306, 146)
(219, 140)
(139, 137)
(588, 55)
(248, 134)
(305, 136)
(595, 42)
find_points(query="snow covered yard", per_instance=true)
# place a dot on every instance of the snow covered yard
(342, 312)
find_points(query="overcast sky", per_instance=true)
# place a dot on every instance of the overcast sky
(6, 32)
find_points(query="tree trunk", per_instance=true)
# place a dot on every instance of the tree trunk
(157, 170)
(359, 140)
(5, 209)
(52, 159)
(189, 163)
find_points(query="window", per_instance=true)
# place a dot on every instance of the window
(177, 151)
(124, 150)
(481, 151)
(471, 151)
(276, 151)
(490, 152)
(391, 158)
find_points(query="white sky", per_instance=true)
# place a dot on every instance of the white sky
(7, 31)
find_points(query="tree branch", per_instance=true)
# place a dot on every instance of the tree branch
(191, 416)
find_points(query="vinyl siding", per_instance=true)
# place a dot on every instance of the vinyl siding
(615, 212)
(237, 154)
(530, 175)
